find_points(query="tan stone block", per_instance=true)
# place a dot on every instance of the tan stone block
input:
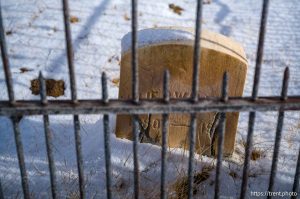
(218, 54)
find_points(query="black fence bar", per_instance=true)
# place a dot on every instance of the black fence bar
(297, 177)
(252, 115)
(5, 61)
(70, 58)
(69, 49)
(21, 157)
(248, 151)
(135, 157)
(1, 191)
(165, 119)
(106, 138)
(192, 139)
(15, 119)
(43, 89)
(197, 51)
(235, 104)
(166, 85)
(79, 156)
(278, 132)
(260, 48)
(107, 155)
(134, 56)
(221, 129)
(104, 88)
(48, 139)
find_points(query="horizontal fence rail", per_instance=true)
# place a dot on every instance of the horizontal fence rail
(16, 109)
(238, 104)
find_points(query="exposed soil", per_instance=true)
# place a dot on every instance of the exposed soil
(55, 88)
(126, 17)
(9, 32)
(116, 81)
(74, 19)
(176, 9)
(24, 70)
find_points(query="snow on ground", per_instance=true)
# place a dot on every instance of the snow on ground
(36, 41)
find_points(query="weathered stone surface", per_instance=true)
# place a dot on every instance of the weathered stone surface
(218, 54)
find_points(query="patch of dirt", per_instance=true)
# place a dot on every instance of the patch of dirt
(126, 17)
(55, 88)
(9, 32)
(257, 154)
(54, 29)
(176, 9)
(24, 70)
(74, 19)
(116, 81)
(207, 2)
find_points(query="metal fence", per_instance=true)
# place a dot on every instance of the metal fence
(16, 109)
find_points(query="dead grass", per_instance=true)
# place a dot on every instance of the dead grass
(73, 195)
(233, 174)
(257, 154)
(181, 185)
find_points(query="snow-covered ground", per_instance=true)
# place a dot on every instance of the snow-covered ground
(36, 41)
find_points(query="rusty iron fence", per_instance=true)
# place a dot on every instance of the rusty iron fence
(16, 109)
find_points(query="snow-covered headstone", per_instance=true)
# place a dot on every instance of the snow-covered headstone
(172, 48)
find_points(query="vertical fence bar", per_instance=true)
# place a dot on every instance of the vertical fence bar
(1, 191)
(104, 88)
(48, 139)
(166, 86)
(166, 95)
(248, 151)
(195, 90)
(165, 119)
(278, 132)
(69, 49)
(135, 94)
(259, 56)
(5, 61)
(135, 156)
(197, 52)
(70, 58)
(106, 138)
(134, 60)
(43, 89)
(21, 158)
(107, 155)
(260, 48)
(15, 120)
(297, 177)
(221, 129)
(79, 156)
(192, 138)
